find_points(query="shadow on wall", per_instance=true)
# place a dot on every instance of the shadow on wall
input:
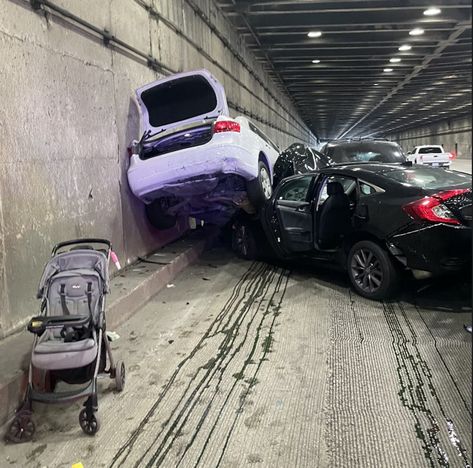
(139, 237)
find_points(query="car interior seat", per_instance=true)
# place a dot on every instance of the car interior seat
(334, 219)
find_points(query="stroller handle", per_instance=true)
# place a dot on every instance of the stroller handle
(60, 245)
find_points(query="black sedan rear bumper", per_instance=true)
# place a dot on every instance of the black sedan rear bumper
(437, 248)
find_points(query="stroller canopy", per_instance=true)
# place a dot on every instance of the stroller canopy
(80, 259)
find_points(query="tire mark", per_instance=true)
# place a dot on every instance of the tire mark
(247, 278)
(455, 384)
(231, 335)
(412, 392)
(355, 317)
(277, 309)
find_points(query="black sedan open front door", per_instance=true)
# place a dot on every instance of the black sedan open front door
(294, 211)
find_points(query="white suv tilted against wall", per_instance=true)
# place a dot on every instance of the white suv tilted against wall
(193, 159)
(430, 155)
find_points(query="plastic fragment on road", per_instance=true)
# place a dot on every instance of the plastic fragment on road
(170, 286)
(468, 328)
(77, 465)
(112, 336)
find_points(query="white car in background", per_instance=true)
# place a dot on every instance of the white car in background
(193, 158)
(430, 155)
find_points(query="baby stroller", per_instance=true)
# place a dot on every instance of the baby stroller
(70, 343)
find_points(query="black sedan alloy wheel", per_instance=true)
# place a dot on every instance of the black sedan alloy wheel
(372, 271)
(366, 270)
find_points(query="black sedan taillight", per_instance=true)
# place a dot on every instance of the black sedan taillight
(433, 209)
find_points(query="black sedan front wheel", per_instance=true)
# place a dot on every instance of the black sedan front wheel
(371, 271)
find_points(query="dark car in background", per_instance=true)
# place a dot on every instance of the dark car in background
(363, 150)
(300, 158)
(373, 220)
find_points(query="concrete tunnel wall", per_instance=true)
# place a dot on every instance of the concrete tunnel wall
(453, 135)
(68, 115)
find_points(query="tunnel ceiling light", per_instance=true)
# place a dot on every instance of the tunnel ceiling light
(314, 34)
(316, 61)
(416, 32)
(432, 11)
(395, 60)
(405, 48)
(449, 77)
(376, 84)
(387, 70)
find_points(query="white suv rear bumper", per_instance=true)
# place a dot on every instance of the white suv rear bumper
(149, 176)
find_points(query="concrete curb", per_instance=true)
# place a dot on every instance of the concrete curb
(118, 311)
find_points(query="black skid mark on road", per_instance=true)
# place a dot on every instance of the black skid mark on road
(262, 359)
(120, 457)
(449, 372)
(238, 376)
(355, 317)
(230, 332)
(412, 369)
(252, 281)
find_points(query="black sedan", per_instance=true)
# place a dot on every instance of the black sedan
(374, 220)
(300, 158)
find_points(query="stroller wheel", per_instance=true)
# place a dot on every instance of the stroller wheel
(22, 428)
(88, 422)
(120, 376)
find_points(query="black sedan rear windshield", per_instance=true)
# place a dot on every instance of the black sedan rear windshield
(372, 151)
(430, 178)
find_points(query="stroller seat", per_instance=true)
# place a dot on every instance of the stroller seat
(53, 353)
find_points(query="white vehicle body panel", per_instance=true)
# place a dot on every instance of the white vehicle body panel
(430, 155)
(225, 153)
(192, 168)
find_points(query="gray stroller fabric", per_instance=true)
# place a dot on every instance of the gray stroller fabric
(51, 353)
(73, 284)
(83, 259)
(75, 293)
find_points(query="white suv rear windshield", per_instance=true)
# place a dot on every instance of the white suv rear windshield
(179, 100)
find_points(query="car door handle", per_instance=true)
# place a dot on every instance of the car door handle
(303, 207)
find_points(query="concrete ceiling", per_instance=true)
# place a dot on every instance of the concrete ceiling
(347, 93)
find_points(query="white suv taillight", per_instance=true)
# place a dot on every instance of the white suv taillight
(226, 126)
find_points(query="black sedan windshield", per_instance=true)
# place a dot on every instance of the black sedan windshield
(365, 151)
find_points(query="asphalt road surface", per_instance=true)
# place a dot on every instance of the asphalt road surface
(463, 165)
(251, 364)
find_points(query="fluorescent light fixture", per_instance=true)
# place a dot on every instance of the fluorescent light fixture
(387, 70)
(416, 32)
(432, 11)
(395, 60)
(315, 34)
(316, 61)
(405, 48)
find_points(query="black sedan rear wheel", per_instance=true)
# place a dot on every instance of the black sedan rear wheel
(371, 271)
